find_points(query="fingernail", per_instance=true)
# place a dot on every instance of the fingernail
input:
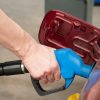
(58, 77)
(50, 78)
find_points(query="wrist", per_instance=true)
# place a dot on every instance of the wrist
(27, 44)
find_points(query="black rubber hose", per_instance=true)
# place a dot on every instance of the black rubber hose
(12, 68)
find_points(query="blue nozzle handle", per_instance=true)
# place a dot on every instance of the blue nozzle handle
(71, 64)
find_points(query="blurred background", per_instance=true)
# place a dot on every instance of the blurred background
(29, 14)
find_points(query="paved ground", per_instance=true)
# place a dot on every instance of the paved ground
(28, 14)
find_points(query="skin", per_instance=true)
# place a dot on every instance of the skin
(39, 60)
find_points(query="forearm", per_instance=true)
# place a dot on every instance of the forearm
(13, 37)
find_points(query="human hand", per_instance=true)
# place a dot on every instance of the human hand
(41, 63)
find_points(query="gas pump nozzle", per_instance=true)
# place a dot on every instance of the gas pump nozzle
(71, 64)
